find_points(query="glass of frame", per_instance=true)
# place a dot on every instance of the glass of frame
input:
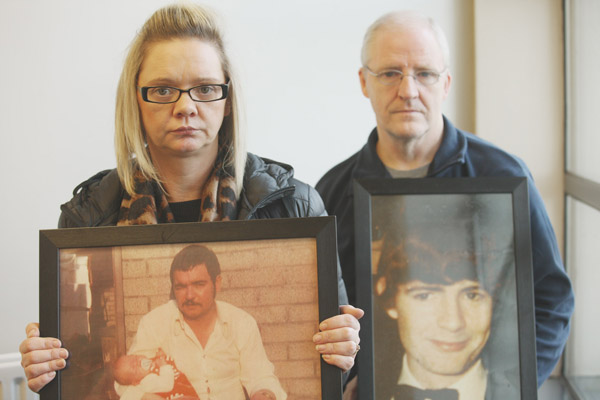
(110, 292)
(445, 279)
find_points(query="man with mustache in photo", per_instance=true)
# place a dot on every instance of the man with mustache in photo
(215, 344)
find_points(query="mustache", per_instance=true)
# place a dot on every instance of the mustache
(191, 303)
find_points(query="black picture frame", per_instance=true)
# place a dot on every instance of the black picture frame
(308, 243)
(389, 211)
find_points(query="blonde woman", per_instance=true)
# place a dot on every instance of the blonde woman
(181, 157)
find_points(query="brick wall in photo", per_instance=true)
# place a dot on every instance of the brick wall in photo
(275, 281)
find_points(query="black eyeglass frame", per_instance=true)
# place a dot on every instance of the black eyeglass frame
(144, 91)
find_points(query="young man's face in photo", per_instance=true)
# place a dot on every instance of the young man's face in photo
(443, 328)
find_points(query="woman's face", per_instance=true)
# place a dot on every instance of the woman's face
(185, 128)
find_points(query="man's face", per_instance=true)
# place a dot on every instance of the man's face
(408, 110)
(195, 292)
(443, 328)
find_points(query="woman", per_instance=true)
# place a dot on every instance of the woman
(181, 158)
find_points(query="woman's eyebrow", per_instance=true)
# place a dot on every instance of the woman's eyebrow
(165, 81)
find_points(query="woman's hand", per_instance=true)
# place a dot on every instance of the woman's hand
(338, 338)
(41, 357)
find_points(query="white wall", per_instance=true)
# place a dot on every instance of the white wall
(519, 88)
(59, 70)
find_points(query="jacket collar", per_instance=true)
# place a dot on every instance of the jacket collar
(452, 150)
(264, 182)
(368, 163)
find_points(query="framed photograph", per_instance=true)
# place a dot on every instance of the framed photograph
(445, 279)
(187, 310)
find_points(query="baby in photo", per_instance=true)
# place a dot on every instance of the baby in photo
(157, 375)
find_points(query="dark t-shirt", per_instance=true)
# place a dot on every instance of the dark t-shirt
(186, 211)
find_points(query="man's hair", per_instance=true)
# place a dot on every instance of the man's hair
(404, 19)
(414, 259)
(177, 21)
(194, 255)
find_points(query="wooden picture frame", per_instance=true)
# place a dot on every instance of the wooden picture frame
(416, 239)
(96, 284)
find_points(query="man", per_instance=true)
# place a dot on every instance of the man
(215, 344)
(405, 74)
(445, 305)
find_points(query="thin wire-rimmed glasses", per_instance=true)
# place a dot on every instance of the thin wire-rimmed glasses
(390, 77)
(169, 94)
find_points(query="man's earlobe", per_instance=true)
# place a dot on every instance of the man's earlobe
(380, 286)
(363, 82)
(218, 281)
(447, 84)
(392, 312)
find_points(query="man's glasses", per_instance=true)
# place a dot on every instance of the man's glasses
(169, 94)
(390, 77)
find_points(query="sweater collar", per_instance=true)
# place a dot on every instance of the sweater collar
(452, 150)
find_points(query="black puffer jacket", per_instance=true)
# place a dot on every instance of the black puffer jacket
(270, 191)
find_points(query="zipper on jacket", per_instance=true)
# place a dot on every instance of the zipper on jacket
(457, 160)
(279, 194)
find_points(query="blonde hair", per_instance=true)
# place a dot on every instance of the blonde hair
(404, 19)
(181, 20)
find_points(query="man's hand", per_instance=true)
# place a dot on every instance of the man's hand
(41, 357)
(263, 394)
(338, 340)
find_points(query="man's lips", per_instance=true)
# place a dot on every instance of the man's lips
(406, 111)
(450, 346)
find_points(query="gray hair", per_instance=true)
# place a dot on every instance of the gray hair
(404, 19)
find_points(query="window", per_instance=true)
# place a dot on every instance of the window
(582, 191)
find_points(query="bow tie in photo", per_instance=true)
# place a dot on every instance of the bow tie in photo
(407, 392)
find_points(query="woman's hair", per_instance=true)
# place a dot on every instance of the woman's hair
(177, 21)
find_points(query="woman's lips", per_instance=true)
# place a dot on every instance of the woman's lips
(185, 130)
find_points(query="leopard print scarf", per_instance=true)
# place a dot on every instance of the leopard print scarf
(149, 204)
